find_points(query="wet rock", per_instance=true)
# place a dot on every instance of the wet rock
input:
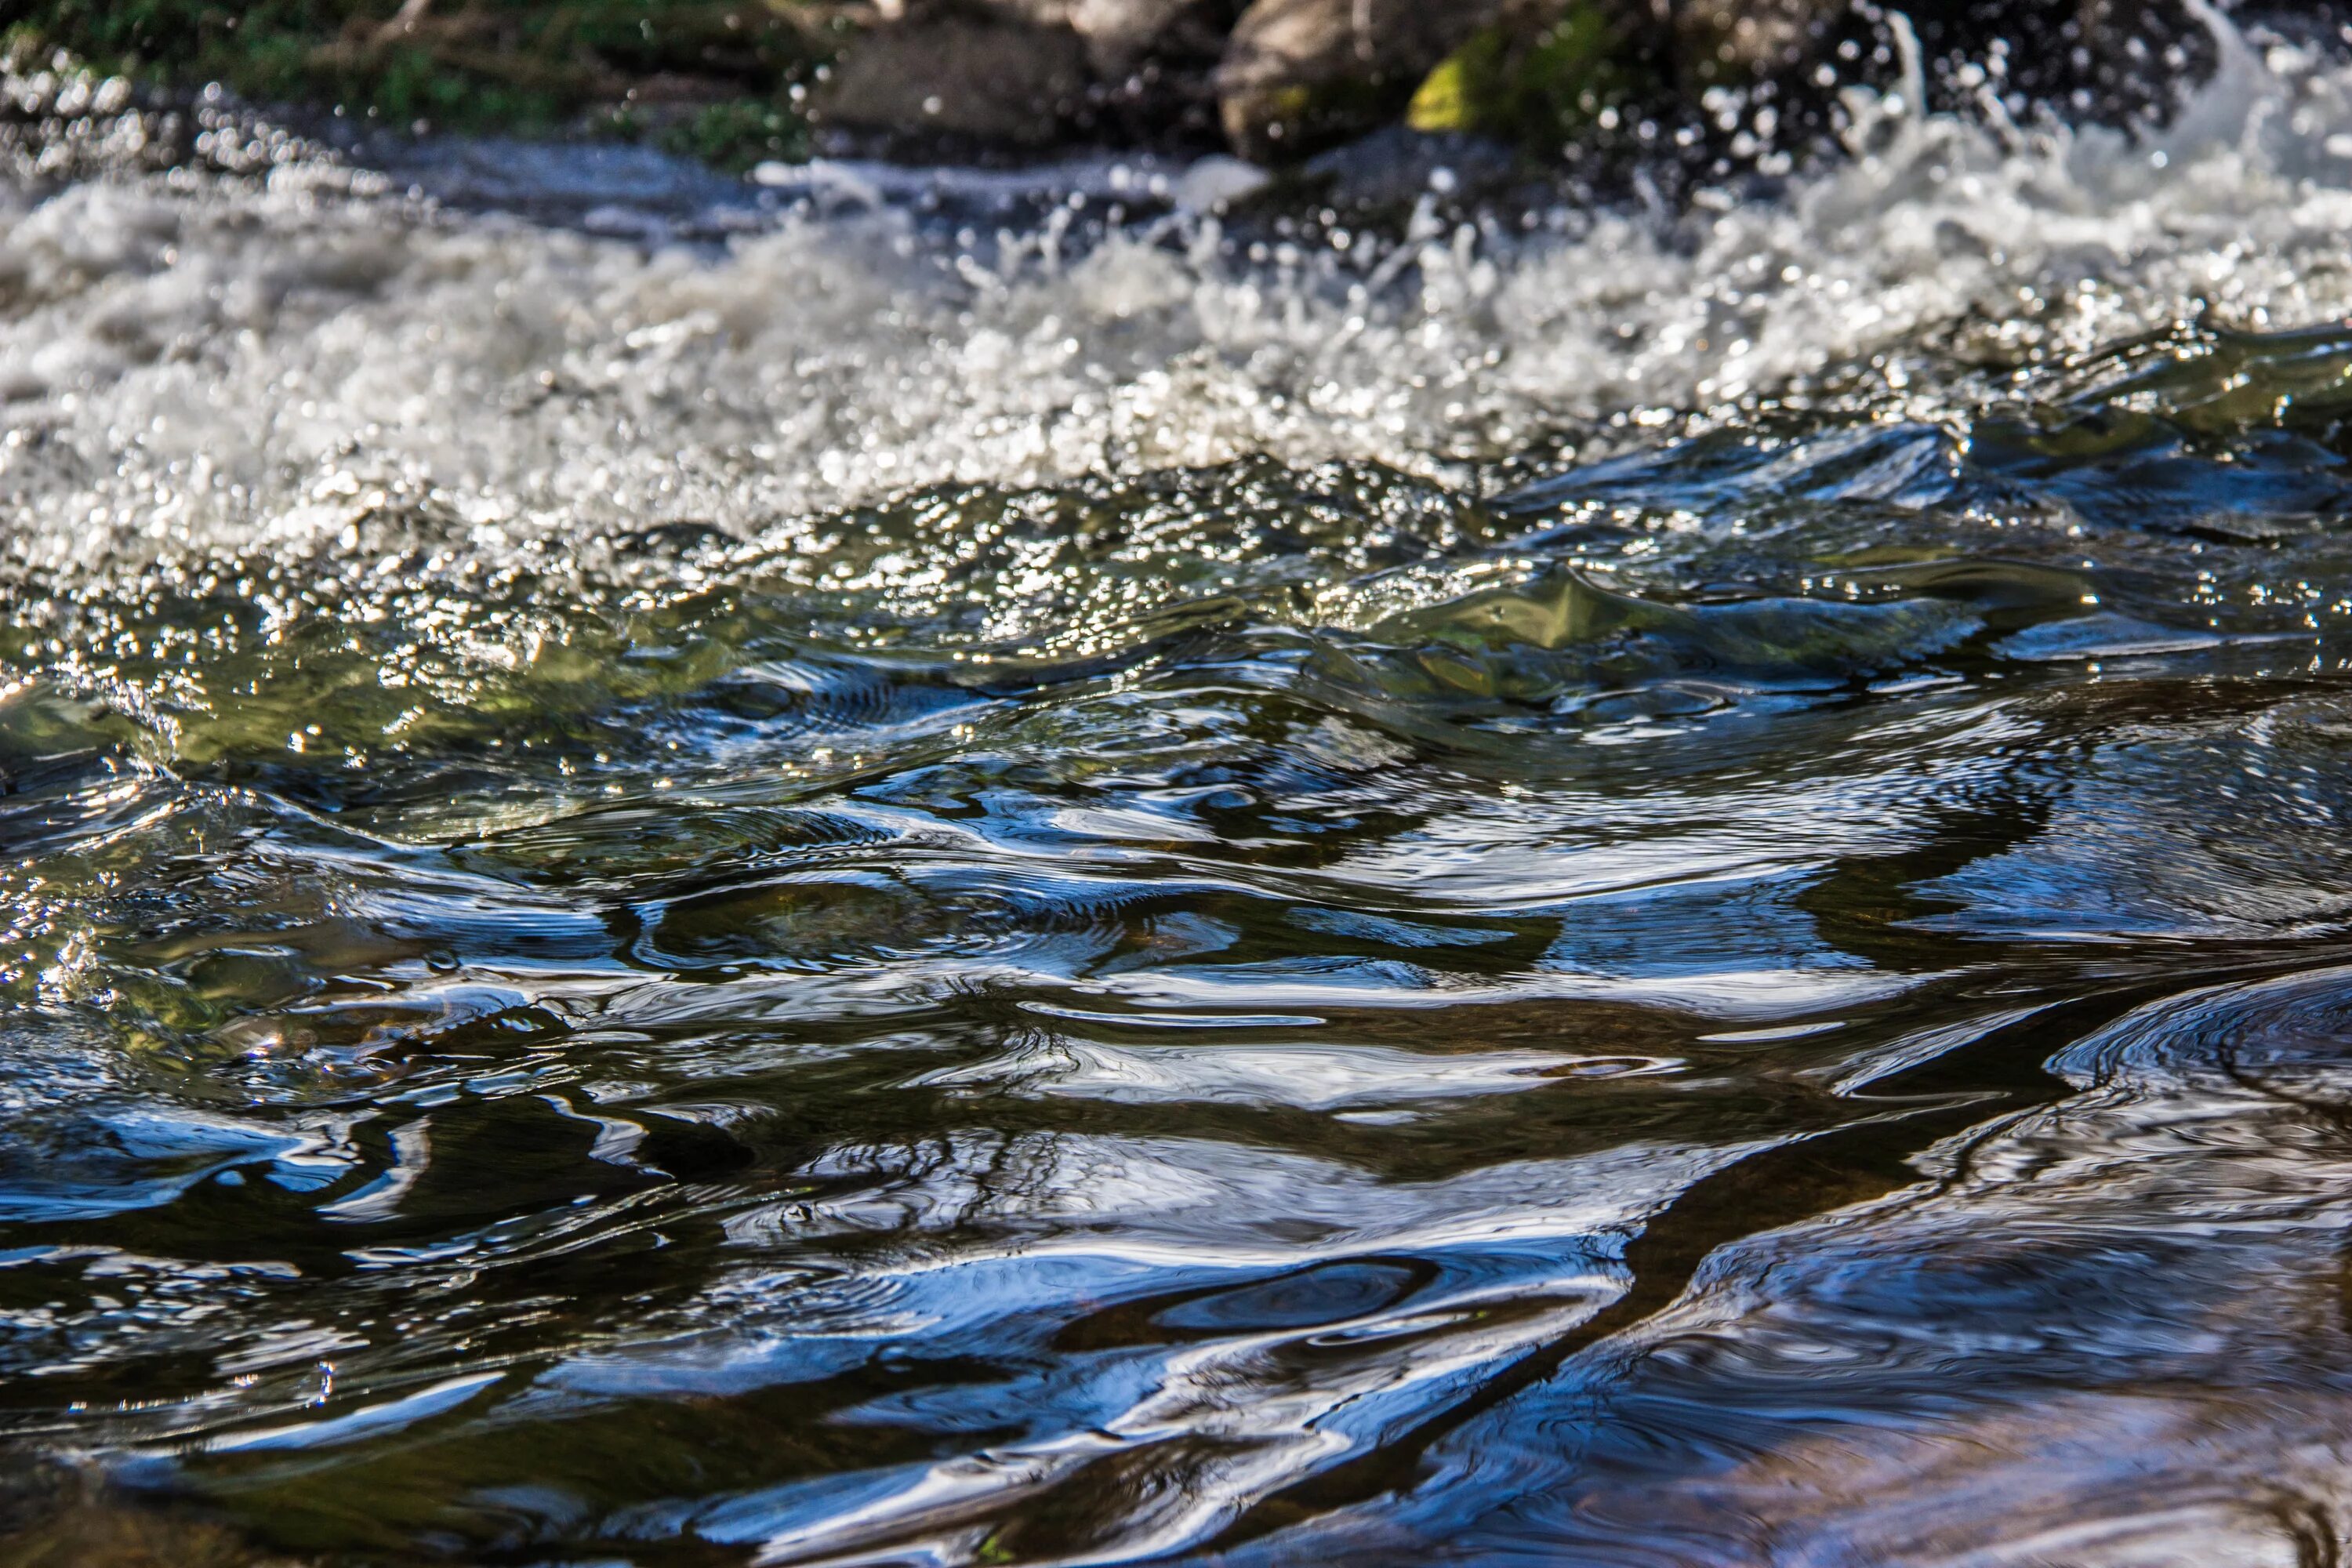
(1544, 71)
(1275, 80)
(1299, 74)
(1001, 79)
(1155, 63)
(1031, 72)
(1119, 35)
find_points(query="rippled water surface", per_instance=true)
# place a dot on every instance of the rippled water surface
(810, 883)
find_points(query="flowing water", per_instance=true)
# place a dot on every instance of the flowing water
(858, 878)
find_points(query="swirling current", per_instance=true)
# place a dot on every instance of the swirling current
(893, 873)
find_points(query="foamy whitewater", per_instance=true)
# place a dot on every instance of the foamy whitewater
(243, 361)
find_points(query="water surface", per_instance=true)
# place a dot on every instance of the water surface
(813, 884)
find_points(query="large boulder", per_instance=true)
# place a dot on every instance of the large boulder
(1001, 79)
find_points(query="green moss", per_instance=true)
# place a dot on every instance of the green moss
(1537, 88)
(709, 76)
(1448, 99)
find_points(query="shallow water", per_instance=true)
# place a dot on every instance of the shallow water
(791, 882)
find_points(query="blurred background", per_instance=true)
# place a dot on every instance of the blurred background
(739, 82)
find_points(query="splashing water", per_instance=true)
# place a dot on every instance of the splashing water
(841, 880)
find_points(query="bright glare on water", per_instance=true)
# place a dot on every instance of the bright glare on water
(878, 878)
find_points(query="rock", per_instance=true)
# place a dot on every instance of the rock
(1299, 74)
(997, 80)
(1026, 13)
(1543, 73)
(1120, 33)
(1276, 78)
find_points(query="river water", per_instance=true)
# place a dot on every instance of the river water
(849, 878)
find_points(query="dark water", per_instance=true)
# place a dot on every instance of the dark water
(1605, 890)
(1775, 996)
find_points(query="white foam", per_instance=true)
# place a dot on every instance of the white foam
(269, 360)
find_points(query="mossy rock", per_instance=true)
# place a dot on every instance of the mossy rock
(1536, 85)
(1299, 75)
